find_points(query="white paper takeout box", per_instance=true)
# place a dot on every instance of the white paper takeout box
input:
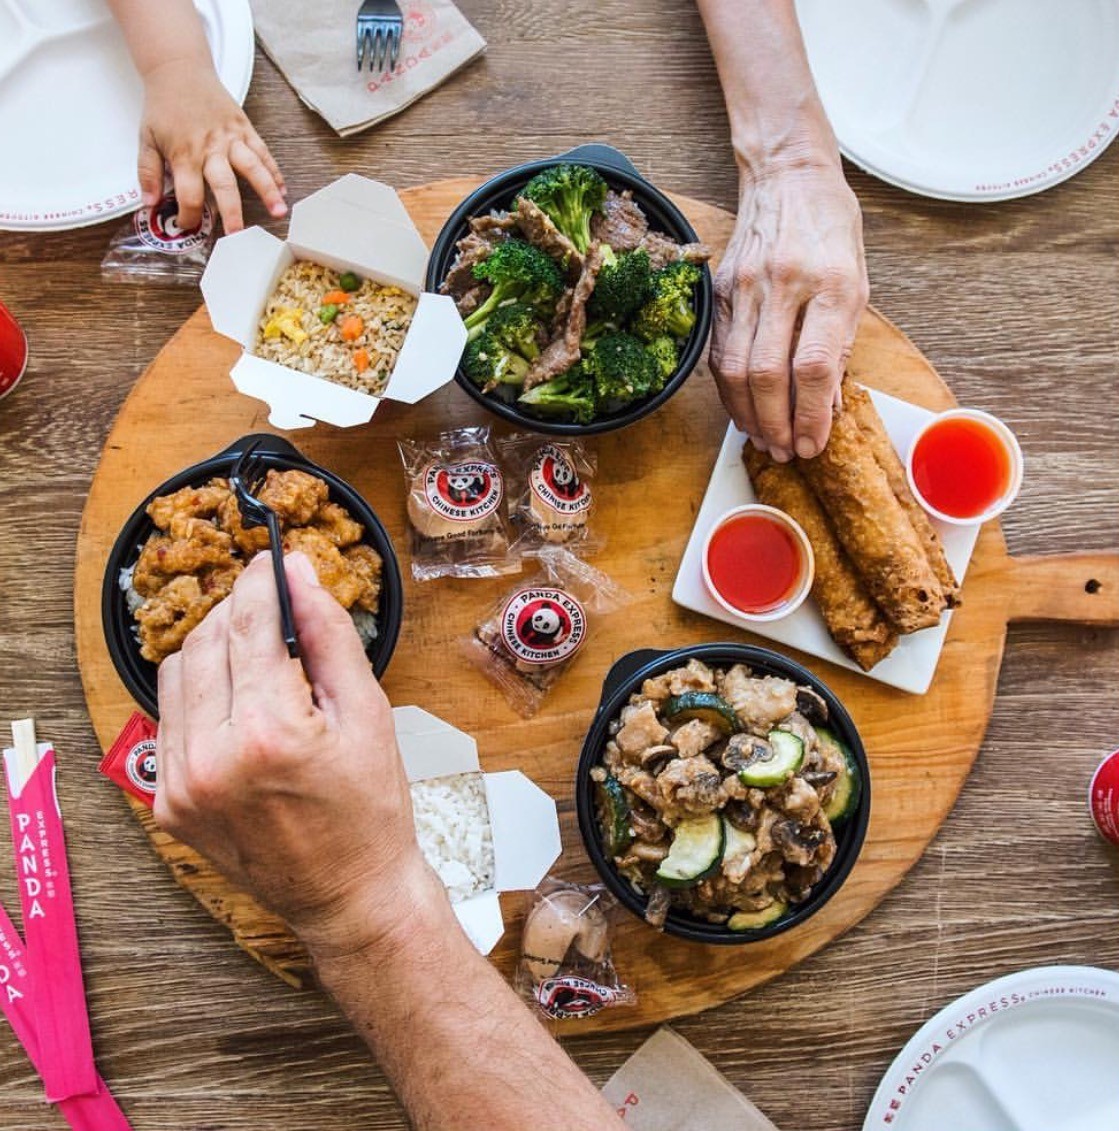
(523, 820)
(354, 224)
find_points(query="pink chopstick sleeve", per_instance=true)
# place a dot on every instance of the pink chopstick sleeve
(97, 1112)
(50, 930)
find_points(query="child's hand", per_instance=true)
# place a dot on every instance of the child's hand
(192, 123)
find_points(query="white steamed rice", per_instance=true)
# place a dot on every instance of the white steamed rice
(453, 828)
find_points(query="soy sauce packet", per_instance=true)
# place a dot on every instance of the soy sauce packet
(566, 970)
(456, 507)
(150, 247)
(551, 496)
(529, 638)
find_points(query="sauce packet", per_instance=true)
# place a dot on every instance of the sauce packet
(566, 970)
(526, 641)
(456, 507)
(551, 499)
(150, 247)
(130, 761)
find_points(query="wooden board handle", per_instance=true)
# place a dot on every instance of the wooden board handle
(1083, 588)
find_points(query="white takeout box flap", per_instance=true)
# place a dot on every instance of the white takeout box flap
(523, 820)
(354, 224)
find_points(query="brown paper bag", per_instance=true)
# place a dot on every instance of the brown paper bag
(668, 1086)
(314, 45)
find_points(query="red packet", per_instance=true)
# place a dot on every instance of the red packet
(53, 960)
(130, 761)
(97, 1112)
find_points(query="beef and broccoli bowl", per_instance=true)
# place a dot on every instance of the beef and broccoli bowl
(585, 293)
(722, 792)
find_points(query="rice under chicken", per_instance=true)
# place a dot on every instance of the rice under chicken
(292, 333)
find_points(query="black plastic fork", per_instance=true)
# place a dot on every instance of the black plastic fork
(245, 479)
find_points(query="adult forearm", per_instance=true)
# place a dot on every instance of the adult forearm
(157, 34)
(459, 1048)
(776, 117)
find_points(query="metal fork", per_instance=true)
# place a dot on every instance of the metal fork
(246, 478)
(380, 27)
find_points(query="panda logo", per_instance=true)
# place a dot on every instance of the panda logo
(158, 227)
(140, 767)
(463, 492)
(554, 478)
(543, 626)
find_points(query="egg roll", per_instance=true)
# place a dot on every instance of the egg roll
(853, 620)
(873, 528)
(858, 402)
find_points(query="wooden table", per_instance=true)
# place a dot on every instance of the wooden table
(1018, 307)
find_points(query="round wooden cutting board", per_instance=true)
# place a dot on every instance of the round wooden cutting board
(651, 479)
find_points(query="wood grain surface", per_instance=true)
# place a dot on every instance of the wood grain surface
(1017, 306)
(649, 479)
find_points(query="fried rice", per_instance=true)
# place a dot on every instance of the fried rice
(292, 333)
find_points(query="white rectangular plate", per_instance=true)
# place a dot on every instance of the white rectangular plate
(913, 662)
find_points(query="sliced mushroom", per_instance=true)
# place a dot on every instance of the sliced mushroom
(744, 750)
(646, 825)
(812, 706)
(819, 778)
(655, 758)
(656, 909)
(798, 842)
(742, 815)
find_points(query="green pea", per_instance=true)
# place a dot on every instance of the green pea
(328, 313)
(349, 282)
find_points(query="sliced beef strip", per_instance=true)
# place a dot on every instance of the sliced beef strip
(537, 227)
(663, 251)
(495, 226)
(563, 352)
(621, 223)
(472, 249)
(473, 298)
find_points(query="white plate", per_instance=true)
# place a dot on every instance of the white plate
(973, 100)
(70, 106)
(910, 666)
(1034, 1051)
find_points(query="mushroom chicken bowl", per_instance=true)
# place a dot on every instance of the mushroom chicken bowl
(728, 799)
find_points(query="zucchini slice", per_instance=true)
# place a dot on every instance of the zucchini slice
(785, 757)
(754, 920)
(848, 785)
(705, 705)
(696, 852)
(613, 812)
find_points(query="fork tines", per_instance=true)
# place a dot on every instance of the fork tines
(380, 27)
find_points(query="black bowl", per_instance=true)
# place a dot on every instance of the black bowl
(138, 674)
(663, 215)
(626, 677)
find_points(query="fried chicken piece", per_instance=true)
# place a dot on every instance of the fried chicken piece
(250, 540)
(188, 502)
(335, 573)
(295, 496)
(166, 618)
(365, 562)
(335, 522)
(163, 558)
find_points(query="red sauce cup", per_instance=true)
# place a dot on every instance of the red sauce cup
(965, 467)
(13, 351)
(1103, 798)
(758, 563)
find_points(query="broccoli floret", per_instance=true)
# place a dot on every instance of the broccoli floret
(519, 272)
(671, 309)
(487, 362)
(515, 327)
(570, 195)
(569, 395)
(663, 351)
(624, 284)
(623, 370)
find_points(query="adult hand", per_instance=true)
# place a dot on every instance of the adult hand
(287, 776)
(191, 121)
(788, 296)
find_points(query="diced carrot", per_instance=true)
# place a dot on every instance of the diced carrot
(361, 360)
(339, 298)
(351, 327)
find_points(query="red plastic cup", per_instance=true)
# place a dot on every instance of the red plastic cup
(1103, 798)
(13, 351)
